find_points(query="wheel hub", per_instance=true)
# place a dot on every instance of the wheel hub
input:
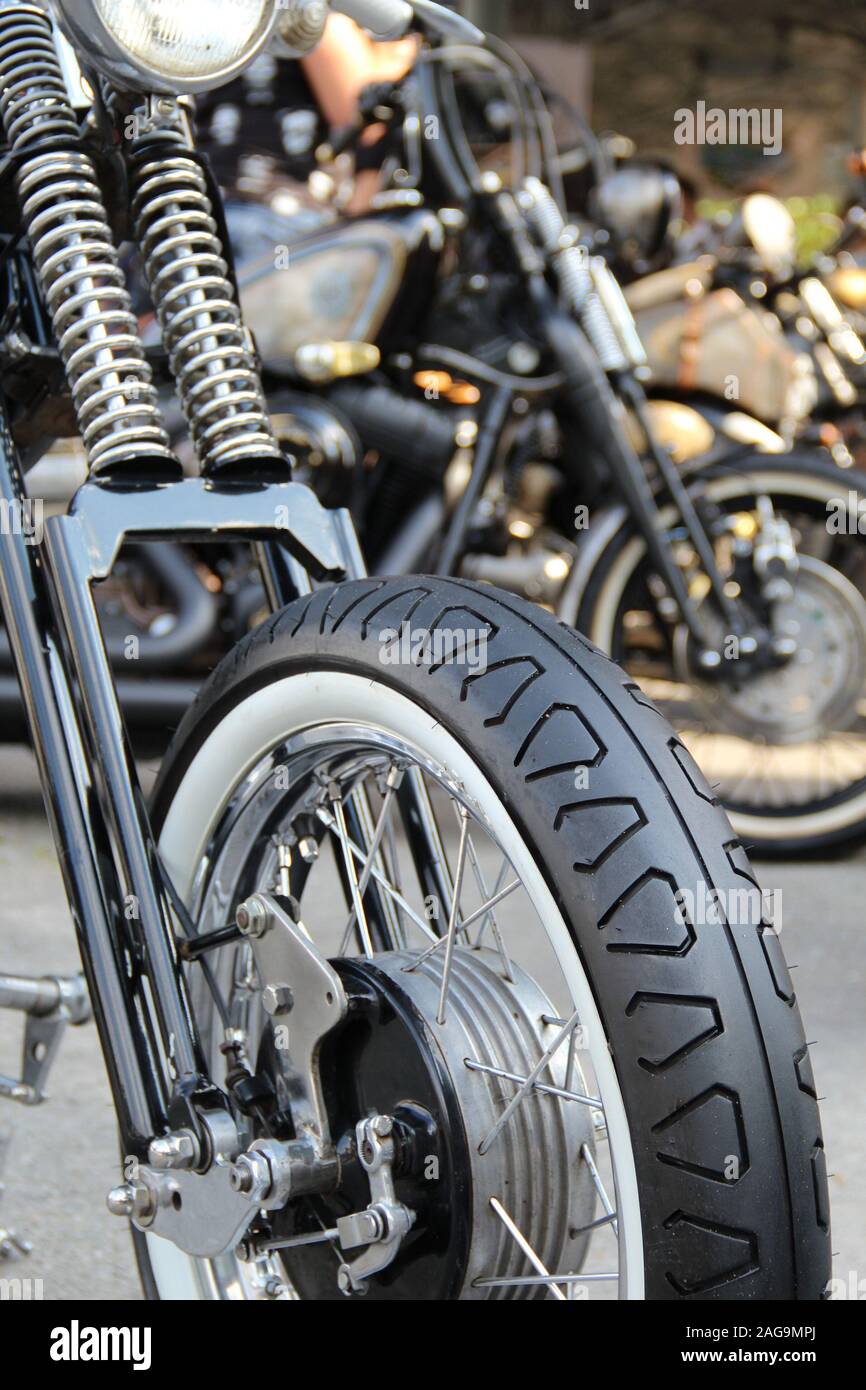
(817, 691)
(446, 1086)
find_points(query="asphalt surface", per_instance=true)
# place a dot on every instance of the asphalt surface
(63, 1156)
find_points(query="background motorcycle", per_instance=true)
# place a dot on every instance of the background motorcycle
(740, 328)
(509, 407)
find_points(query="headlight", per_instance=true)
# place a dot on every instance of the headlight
(169, 45)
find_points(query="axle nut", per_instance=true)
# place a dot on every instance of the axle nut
(252, 918)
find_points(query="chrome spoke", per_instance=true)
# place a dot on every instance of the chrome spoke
(489, 915)
(465, 924)
(455, 912)
(349, 863)
(596, 1225)
(500, 879)
(539, 1086)
(528, 1084)
(520, 1239)
(599, 1186)
(550, 1279)
(391, 860)
(491, 902)
(436, 858)
(328, 821)
(392, 783)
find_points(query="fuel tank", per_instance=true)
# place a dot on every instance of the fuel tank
(709, 340)
(357, 280)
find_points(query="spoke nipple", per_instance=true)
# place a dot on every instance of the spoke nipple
(308, 849)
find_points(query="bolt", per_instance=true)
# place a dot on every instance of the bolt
(121, 1200)
(173, 1151)
(277, 999)
(382, 1126)
(241, 1176)
(251, 1176)
(252, 918)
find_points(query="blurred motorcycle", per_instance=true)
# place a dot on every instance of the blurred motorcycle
(765, 350)
(481, 398)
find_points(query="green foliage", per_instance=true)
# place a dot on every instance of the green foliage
(817, 220)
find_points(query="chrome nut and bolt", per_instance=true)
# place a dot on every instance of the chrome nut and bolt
(133, 1200)
(251, 1176)
(252, 918)
(308, 849)
(277, 999)
(178, 1150)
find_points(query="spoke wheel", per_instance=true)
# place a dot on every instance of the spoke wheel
(490, 858)
(484, 1071)
(785, 750)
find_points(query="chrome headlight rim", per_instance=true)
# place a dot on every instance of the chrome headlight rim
(86, 29)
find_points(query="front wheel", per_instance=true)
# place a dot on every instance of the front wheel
(507, 855)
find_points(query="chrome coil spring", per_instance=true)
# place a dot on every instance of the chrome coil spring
(74, 253)
(575, 276)
(209, 349)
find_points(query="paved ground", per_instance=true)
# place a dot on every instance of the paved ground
(64, 1155)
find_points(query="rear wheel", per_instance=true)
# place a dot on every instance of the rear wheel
(599, 1092)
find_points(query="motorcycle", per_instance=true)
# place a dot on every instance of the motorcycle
(739, 328)
(404, 979)
(475, 349)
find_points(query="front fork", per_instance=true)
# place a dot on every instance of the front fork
(109, 859)
(600, 407)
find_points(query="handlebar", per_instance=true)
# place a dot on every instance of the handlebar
(387, 17)
(379, 16)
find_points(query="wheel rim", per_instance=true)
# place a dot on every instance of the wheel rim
(495, 885)
(771, 788)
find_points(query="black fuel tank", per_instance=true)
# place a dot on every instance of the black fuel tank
(354, 280)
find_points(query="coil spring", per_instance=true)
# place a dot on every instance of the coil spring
(74, 253)
(202, 327)
(574, 274)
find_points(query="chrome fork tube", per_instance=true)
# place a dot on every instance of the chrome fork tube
(128, 1045)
